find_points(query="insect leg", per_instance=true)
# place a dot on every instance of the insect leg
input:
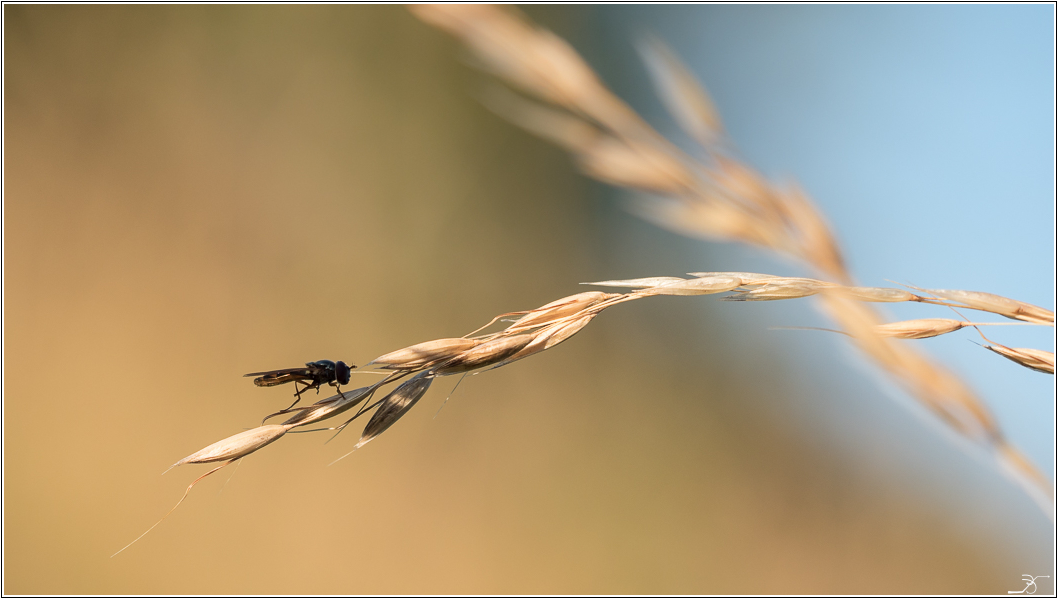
(297, 396)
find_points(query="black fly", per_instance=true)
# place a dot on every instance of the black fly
(313, 375)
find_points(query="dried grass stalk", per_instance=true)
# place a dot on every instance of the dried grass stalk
(717, 197)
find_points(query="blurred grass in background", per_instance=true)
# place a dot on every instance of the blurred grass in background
(196, 192)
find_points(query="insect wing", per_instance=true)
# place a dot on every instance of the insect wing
(270, 378)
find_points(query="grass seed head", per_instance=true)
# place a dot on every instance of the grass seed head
(997, 304)
(489, 352)
(551, 336)
(424, 354)
(676, 286)
(684, 97)
(638, 283)
(237, 446)
(698, 286)
(395, 405)
(561, 308)
(1036, 359)
(332, 406)
(922, 328)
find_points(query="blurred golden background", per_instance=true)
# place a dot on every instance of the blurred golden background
(197, 192)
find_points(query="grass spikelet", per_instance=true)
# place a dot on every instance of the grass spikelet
(489, 352)
(996, 304)
(550, 336)
(332, 406)
(922, 328)
(676, 286)
(561, 308)
(390, 409)
(424, 354)
(698, 286)
(1035, 359)
(686, 100)
(236, 446)
(638, 283)
(598, 154)
(560, 332)
(395, 405)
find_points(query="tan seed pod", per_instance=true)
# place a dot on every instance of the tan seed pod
(237, 446)
(330, 407)
(561, 308)
(997, 304)
(499, 40)
(685, 99)
(922, 328)
(568, 80)
(487, 353)
(395, 405)
(551, 336)
(638, 283)
(1036, 359)
(424, 354)
(677, 286)
(699, 286)
(565, 331)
